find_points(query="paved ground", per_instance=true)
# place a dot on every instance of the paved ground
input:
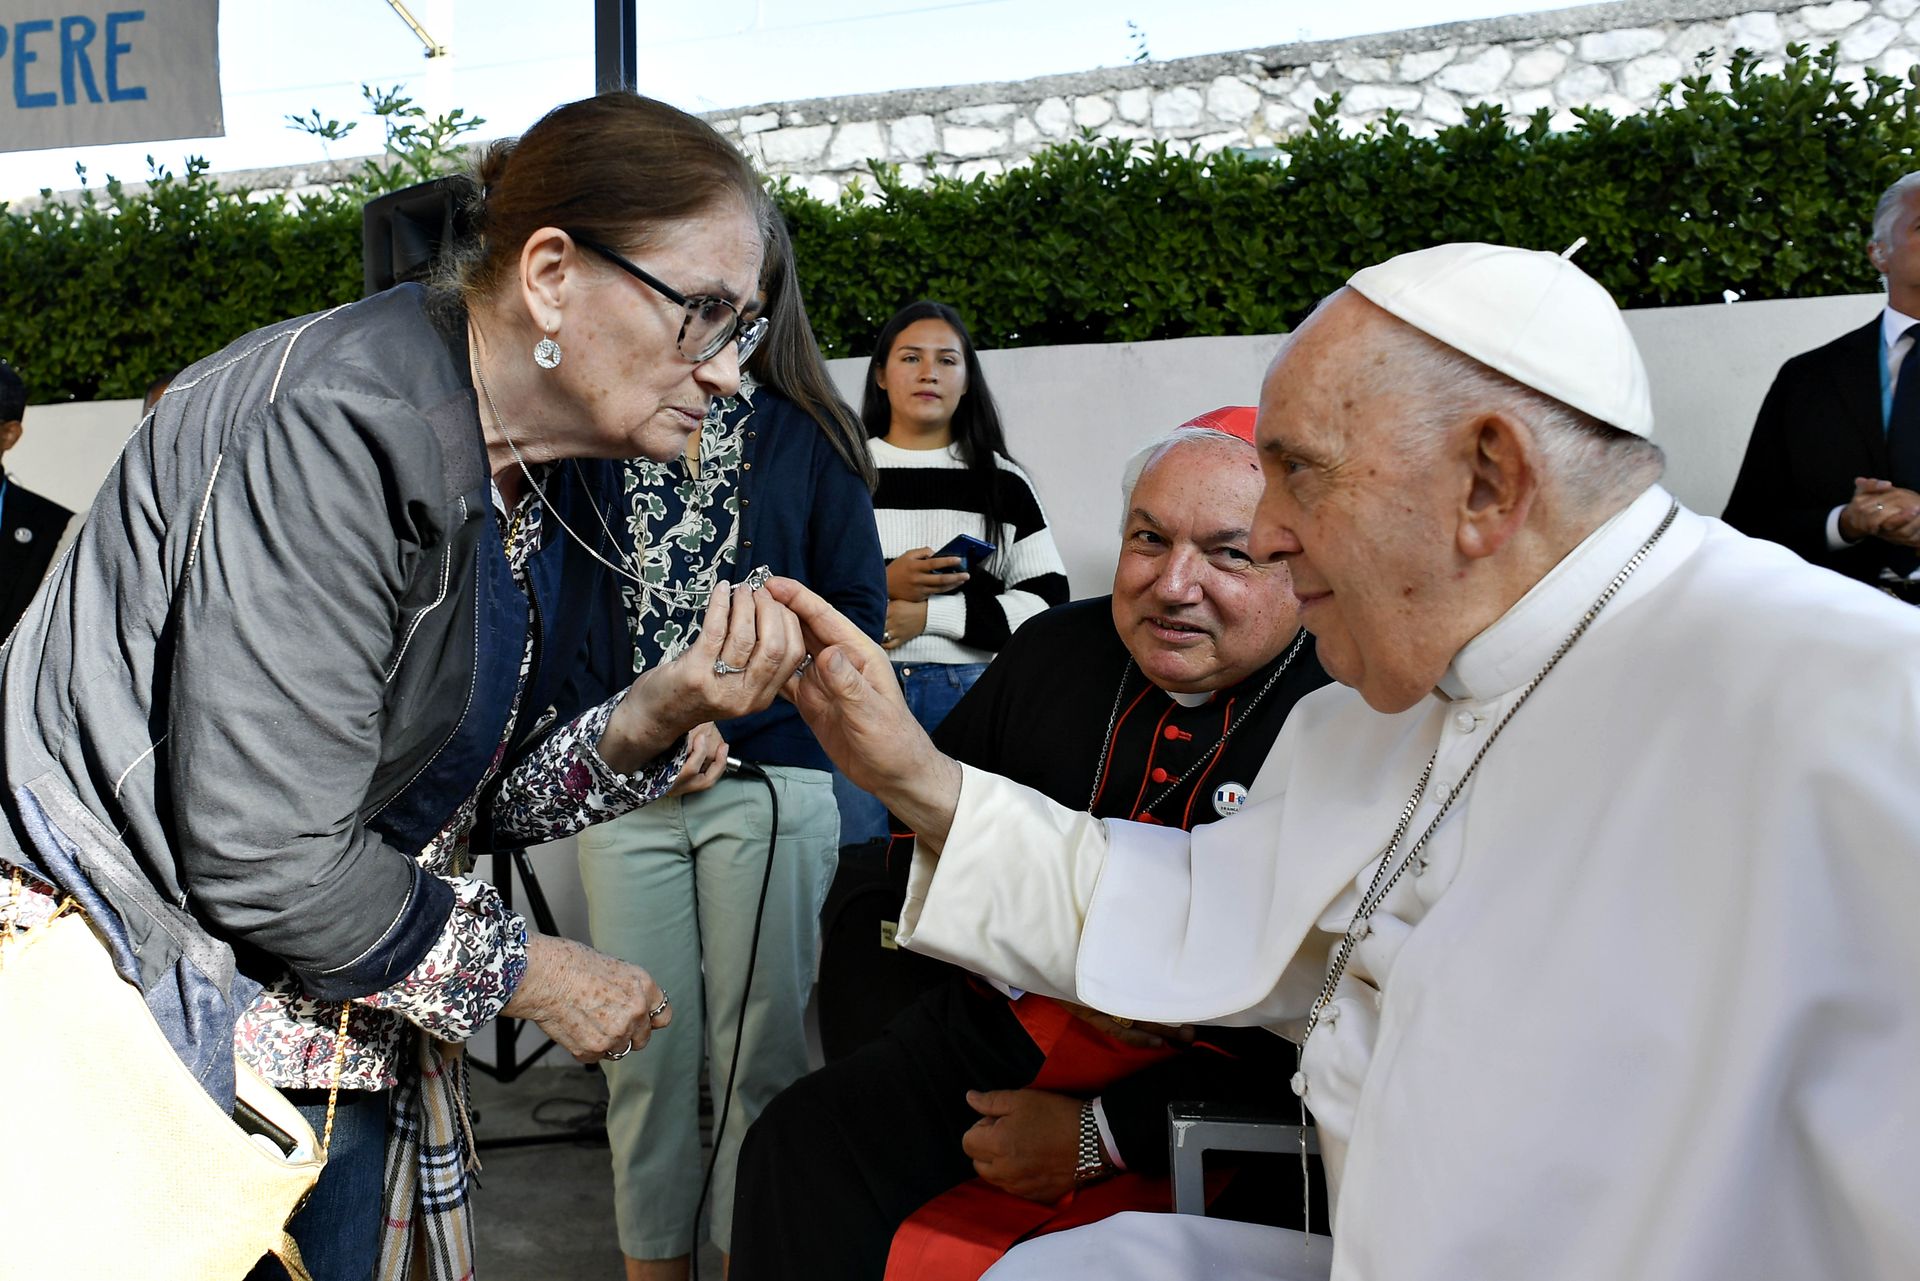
(545, 1212)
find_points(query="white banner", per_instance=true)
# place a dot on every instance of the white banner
(78, 72)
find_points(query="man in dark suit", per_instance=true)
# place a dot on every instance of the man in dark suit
(1833, 467)
(30, 526)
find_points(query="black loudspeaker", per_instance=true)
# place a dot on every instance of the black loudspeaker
(404, 233)
(864, 978)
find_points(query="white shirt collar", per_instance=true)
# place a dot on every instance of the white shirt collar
(1894, 326)
(1520, 641)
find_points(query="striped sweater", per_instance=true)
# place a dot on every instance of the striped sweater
(926, 496)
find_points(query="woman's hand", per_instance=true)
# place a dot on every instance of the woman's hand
(919, 574)
(593, 1006)
(749, 646)
(706, 761)
(906, 619)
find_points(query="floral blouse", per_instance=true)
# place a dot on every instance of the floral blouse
(474, 967)
(686, 523)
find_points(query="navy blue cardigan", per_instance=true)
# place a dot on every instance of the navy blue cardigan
(805, 515)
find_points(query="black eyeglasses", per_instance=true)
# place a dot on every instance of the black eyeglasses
(706, 322)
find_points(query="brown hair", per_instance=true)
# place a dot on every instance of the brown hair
(789, 360)
(612, 167)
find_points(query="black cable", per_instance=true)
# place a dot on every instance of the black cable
(741, 769)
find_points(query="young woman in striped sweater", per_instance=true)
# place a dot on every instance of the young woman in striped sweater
(942, 458)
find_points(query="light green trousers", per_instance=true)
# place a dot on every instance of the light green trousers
(672, 887)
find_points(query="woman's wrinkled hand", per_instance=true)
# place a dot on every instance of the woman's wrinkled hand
(749, 646)
(592, 1005)
(706, 761)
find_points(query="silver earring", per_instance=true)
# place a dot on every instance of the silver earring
(546, 353)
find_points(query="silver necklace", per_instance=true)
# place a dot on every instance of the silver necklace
(626, 571)
(1113, 720)
(1390, 871)
(673, 598)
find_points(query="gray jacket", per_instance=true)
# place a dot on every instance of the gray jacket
(281, 652)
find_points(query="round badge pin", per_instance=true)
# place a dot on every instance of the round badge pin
(1228, 798)
(23, 535)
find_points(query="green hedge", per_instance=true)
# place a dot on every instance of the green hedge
(1763, 188)
(106, 294)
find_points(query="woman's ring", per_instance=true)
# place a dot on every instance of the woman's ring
(886, 638)
(721, 667)
(623, 1053)
(661, 1008)
(806, 661)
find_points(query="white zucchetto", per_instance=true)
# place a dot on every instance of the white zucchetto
(1532, 315)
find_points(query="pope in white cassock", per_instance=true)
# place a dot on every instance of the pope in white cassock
(1592, 893)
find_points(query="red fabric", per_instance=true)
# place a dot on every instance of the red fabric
(1081, 1059)
(962, 1232)
(1235, 420)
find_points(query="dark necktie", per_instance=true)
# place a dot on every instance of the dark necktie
(1903, 423)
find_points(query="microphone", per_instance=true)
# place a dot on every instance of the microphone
(737, 768)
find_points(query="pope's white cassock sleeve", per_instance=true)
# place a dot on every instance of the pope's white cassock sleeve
(1021, 896)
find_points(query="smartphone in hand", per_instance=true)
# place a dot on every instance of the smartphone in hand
(972, 550)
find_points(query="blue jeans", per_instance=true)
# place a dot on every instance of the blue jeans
(932, 689)
(338, 1229)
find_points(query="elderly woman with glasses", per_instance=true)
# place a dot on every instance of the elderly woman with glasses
(347, 615)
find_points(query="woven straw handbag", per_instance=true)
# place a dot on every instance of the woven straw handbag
(118, 1164)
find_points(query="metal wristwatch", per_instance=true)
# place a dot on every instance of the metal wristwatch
(1091, 1164)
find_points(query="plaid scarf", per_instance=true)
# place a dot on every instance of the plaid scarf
(427, 1227)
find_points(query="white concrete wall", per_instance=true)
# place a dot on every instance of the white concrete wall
(66, 450)
(1074, 414)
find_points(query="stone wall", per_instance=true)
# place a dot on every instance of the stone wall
(1616, 56)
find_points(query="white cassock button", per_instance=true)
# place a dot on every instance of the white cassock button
(1465, 722)
(1299, 1084)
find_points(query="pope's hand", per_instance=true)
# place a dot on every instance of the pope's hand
(1141, 1036)
(852, 703)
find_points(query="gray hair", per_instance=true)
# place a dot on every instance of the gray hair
(1150, 453)
(1887, 210)
(1590, 461)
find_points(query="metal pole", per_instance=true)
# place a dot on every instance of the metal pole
(615, 58)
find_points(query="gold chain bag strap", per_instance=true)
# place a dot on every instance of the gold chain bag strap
(117, 1163)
